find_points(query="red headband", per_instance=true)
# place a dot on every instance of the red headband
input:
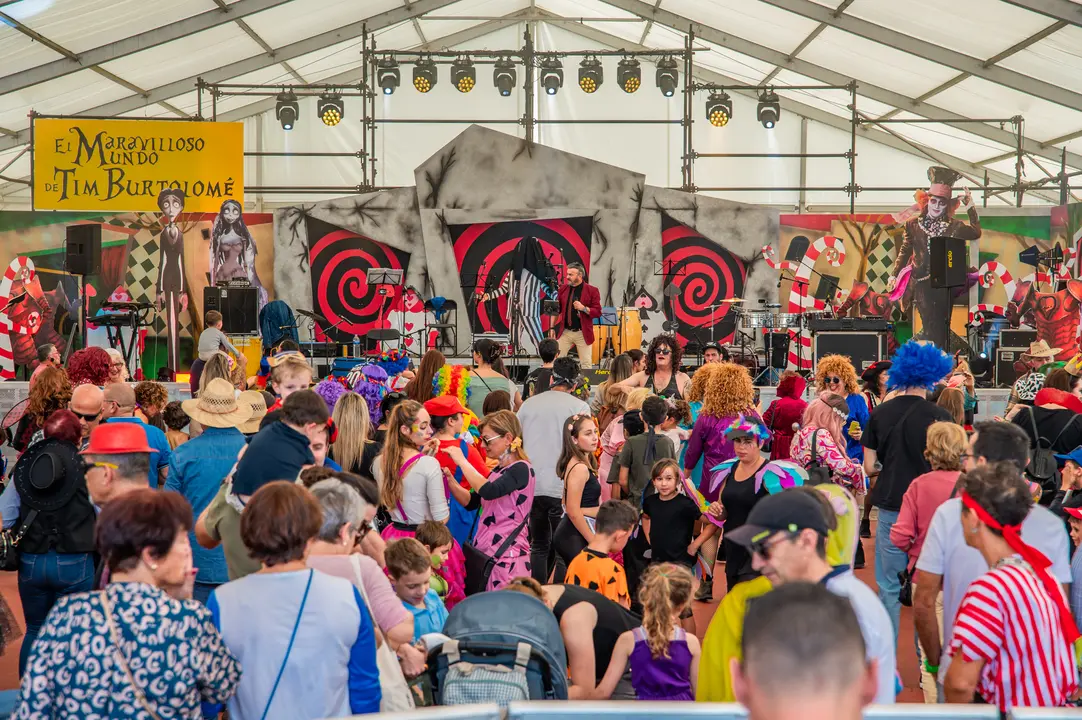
(332, 432)
(1036, 559)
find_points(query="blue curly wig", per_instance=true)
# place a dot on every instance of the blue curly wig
(918, 365)
(393, 361)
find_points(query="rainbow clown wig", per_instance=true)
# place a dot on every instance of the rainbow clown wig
(454, 380)
(918, 365)
(747, 427)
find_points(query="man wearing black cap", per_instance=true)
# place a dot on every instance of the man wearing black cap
(786, 534)
(713, 353)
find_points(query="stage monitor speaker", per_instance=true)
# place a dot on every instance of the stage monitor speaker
(239, 308)
(1017, 338)
(82, 249)
(948, 261)
(862, 348)
(1005, 360)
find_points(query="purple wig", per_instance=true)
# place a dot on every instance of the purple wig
(372, 387)
(330, 390)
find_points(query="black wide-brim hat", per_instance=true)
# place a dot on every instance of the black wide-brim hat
(48, 474)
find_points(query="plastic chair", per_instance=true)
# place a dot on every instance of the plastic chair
(444, 315)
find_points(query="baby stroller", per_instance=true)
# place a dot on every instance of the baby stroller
(504, 646)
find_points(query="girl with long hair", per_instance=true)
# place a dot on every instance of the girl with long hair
(582, 490)
(619, 370)
(506, 496)
(419, 389)
(953, 401)
(49, 393)
(489, 375)
(662, 373)
(664, 658)
(411, 484)
(354, 449)
(822, 424)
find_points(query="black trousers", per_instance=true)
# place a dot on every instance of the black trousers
(545, 514)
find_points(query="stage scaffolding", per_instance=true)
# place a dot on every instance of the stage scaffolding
(528, 57)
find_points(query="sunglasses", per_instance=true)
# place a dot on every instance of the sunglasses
(88, 466)
(764, 547)
(663, 351)
(832, 380)
(87, 418)
(489, 440)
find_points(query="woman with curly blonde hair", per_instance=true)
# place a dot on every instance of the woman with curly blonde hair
(835, 373)
(728, 393)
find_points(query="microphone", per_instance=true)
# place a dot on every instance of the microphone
(286, 327)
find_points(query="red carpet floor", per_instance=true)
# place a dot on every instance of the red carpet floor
(907, 661)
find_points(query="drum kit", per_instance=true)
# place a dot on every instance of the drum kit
(767, 318)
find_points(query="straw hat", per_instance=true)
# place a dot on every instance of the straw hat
(1040, 349)
(258, 404)
(217, 406)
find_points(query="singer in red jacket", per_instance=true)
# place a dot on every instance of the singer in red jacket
(580, 305)
(785, 413)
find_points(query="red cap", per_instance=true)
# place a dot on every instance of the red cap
(118, 439)
(1074, 512)
(444, 406)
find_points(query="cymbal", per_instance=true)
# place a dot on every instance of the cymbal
(731, 300)
(315, 316)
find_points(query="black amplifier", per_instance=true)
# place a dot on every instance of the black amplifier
(1017, 338)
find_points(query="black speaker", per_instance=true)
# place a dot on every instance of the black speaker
(239, 308)
(777, 349)
(82, 249)
(947, 261)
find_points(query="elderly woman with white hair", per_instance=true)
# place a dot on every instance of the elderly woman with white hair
(118, 368)
(335, 552)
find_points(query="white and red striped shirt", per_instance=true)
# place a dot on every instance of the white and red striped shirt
(1008, 620)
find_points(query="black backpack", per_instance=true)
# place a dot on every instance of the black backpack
(818, 474)
(1042, 468)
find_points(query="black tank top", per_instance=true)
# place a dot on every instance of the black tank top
(672, 390)
(591, 492)
(612, 621)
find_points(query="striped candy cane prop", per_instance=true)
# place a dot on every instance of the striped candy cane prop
(977, 312)
(800, 357)
(993, 269)
(771, 261)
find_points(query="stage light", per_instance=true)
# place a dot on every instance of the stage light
(629, 75)
(769, 110)
(591, 74)
(388, 76)
(424, 75)
(668, 76)
(504, 76)
(552, 75)
(719, 109)
(286, 109)
(463, 75)
(330, 109)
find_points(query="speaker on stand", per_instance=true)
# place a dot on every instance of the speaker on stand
(82, 257)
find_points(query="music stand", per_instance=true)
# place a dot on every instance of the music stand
(383, 278)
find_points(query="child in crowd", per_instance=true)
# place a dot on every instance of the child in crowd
(677, 417)
(410, 568)
(175, 422)
(286, 347)
(674, 515)
(497, 400)
(645, 446)
(664, 658)
(437, 540)
(212, 339)
(592, 568)
(540, 379)
(289, 373)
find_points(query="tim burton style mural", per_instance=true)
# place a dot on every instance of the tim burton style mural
(339, 261)
(520, 263)
(698, 275)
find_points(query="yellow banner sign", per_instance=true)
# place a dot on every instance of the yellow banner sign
(122, 165)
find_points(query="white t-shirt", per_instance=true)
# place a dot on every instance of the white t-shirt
(423, 495)
(875, 626)
(542, 417)
(945, 553)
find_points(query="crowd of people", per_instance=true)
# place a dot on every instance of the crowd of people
(299, 550)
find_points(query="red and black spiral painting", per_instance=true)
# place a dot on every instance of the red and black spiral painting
(704, 273)
(339, 260)
(484, 253)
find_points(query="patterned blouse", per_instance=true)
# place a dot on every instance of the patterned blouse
(846, 472)
(171, 647)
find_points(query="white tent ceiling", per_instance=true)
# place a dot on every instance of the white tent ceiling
(918, 59)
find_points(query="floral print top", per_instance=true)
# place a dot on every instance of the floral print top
(171, 647)
(846, 472)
